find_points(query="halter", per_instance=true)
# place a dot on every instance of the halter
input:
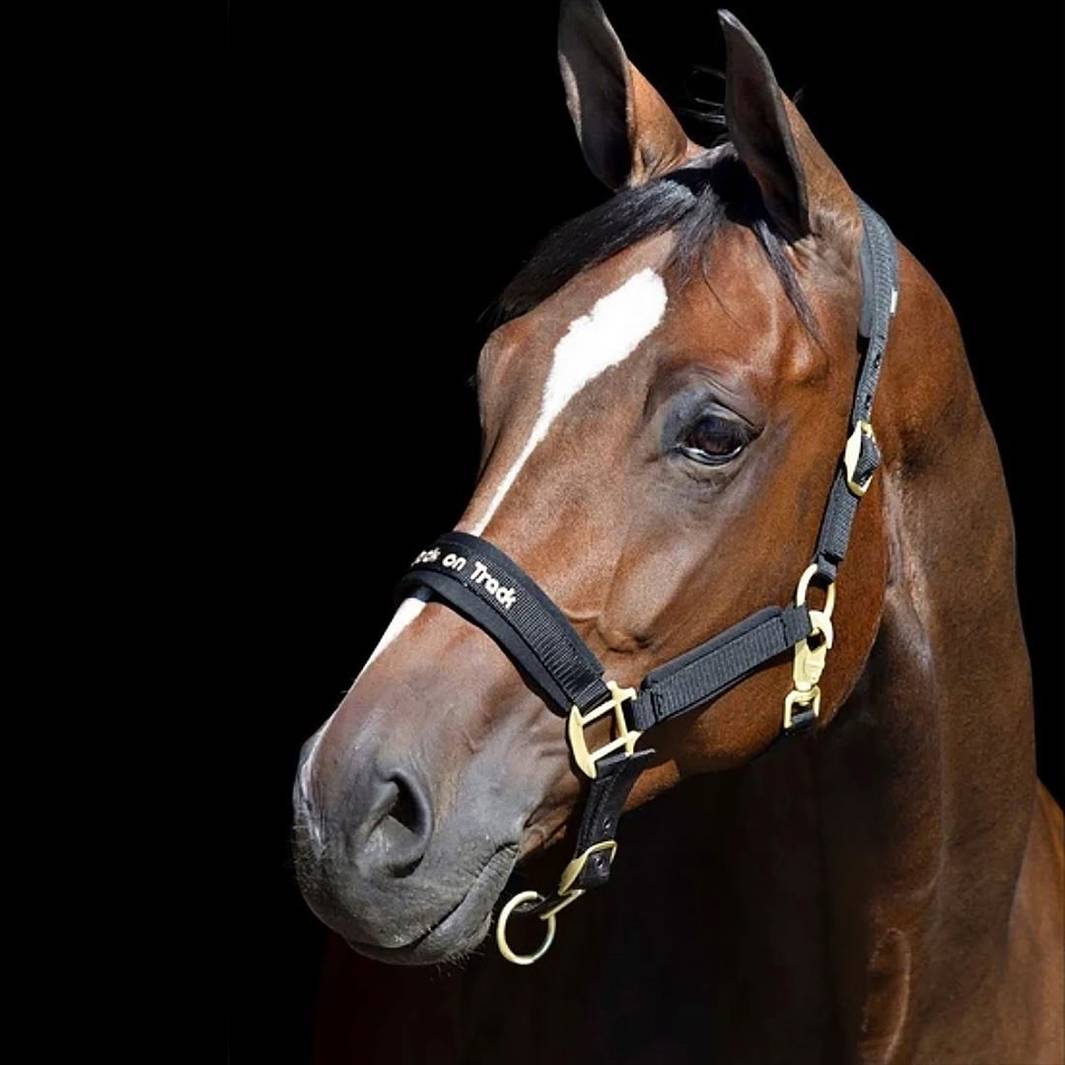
(486, 587)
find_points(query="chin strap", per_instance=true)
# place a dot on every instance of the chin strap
(488, 588)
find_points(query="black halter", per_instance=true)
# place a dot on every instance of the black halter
(489, 589)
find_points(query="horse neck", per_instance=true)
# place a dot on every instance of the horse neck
(925, 780)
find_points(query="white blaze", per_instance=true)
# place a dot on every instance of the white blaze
(408, 610)
(609, 333)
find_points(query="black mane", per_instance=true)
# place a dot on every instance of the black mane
(693, 201)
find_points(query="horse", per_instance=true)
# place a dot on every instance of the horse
(663, 409)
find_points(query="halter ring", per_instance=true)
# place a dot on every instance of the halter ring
(501, 930)
(804, 583)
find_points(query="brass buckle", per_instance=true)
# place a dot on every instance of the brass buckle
(566, 895)
(576, 867)
(809, 661)
(852, 452)
(625, 737)
(803, 700)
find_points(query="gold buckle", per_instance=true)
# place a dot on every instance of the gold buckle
(803, 699)
(576, 867)
(852, 452)
(625, 737)
(566, 896)
(809, 661)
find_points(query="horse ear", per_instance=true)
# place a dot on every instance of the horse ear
(800, 185)
(627, 131)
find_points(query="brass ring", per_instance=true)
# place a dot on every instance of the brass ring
(804, 583)
(501, 930)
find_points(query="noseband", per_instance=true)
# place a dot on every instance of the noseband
(489, 589)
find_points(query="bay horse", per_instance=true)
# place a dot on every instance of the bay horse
(663, 411)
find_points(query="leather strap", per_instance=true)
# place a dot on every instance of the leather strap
(603, 807)
(879, 298)
(486, 587)
(704, 673)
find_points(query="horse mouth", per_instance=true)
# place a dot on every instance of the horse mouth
(460, 929)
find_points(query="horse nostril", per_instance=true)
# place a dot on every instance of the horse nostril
(406, 827)
(407, 810)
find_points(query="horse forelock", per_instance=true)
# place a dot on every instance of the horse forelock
(694, 202)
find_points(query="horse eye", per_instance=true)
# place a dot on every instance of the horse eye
(713, 440)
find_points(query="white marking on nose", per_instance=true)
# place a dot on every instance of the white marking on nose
(607, 335)
(408, 610)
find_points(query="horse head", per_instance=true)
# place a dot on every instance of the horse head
(663, 410)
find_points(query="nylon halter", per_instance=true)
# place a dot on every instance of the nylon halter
(489, 589)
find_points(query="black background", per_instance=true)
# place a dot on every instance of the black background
(388, 172)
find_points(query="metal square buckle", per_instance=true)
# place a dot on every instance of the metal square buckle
(624, 736)
(852, 453)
